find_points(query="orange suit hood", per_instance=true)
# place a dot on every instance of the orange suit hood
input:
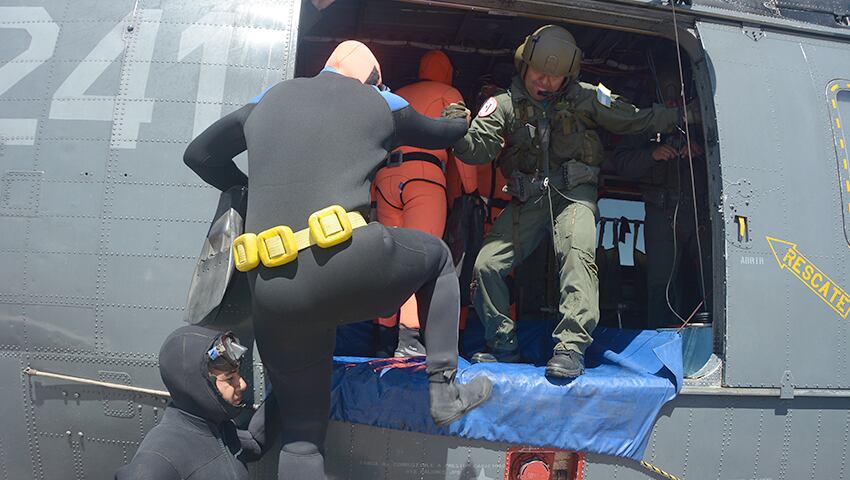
(353, 59)
(436, 66)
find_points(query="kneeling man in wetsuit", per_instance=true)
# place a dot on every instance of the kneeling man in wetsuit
(313, 263)
(196, 438)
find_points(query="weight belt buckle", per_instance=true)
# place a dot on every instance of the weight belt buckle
(330, 226)
(277, 246)
(245, 253)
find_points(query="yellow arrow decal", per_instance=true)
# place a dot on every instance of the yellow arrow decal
(789, 258)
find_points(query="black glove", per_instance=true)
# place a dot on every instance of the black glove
(456, 110)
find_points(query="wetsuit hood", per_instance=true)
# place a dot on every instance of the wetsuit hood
(183, 367)
(353, 59)
(436, 66)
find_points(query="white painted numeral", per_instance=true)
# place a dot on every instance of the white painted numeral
(215, 42)
(43, 32)
(70, 101)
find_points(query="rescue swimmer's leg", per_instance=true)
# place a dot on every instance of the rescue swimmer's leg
(575, 249)
(439, 309)
(498, 256)
(299, 365)
(328, 287)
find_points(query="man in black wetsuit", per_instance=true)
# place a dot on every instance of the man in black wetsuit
(312, 143)
(196, 438)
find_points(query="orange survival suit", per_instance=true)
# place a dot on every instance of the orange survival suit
(410, 190)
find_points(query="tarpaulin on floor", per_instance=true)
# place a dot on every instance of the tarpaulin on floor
(609, 410)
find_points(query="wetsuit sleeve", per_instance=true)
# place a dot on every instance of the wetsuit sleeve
(417, 130)
(623, 117)
(633, 157)
(211, 153)
(263, 430)
(484, 139)
(148, 466)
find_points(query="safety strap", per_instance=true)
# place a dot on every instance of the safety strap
(398, 157)
(543, 128)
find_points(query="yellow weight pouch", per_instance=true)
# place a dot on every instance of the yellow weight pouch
(277, 246)
(245, 253)
(329, 226)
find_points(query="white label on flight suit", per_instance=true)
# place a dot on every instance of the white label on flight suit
(603, 94)
(488, 107)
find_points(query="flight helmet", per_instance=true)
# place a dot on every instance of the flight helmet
(552, 50)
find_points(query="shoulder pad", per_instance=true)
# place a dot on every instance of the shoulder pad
(259, 97)
(394, 101)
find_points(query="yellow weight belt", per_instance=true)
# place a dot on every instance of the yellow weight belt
(280, 245)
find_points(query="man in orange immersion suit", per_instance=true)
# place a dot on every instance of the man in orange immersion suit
(410, 190)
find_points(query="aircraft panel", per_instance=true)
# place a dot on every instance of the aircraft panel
(256, 14)
(171, 122)
(65, 234)
(14, 235)
(99, 41)
(72, 199)
(128, 328)
(163, 201)
(149, 281)
(61, 462)
(12, 323)
(61, 328)
(44, 266)
(156, 162)
(98, 10)
(15, 40)
(73, 160)
(18, 125)
(100, 455)
(142, 237)
(14, 450)
(12, 261)
(34, 81)
(359, 451)
(779, 173)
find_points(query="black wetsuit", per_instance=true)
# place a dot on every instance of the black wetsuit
(315, 142)
(196, 438)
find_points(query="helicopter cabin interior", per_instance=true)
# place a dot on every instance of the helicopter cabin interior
(631, 63)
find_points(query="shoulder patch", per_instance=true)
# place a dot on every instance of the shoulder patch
(603, 94)
(489, 107)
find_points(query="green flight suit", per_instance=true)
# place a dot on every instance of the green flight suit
(664, 184)
(511, 132)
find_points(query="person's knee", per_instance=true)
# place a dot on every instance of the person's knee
(302, 461)
(487, 266)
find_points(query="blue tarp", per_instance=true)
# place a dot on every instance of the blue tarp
(609, 410)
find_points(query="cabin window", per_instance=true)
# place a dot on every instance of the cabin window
(839, 99)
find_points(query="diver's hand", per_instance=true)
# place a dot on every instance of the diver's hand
(457, 110)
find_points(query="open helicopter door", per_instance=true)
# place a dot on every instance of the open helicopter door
(783, 216)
